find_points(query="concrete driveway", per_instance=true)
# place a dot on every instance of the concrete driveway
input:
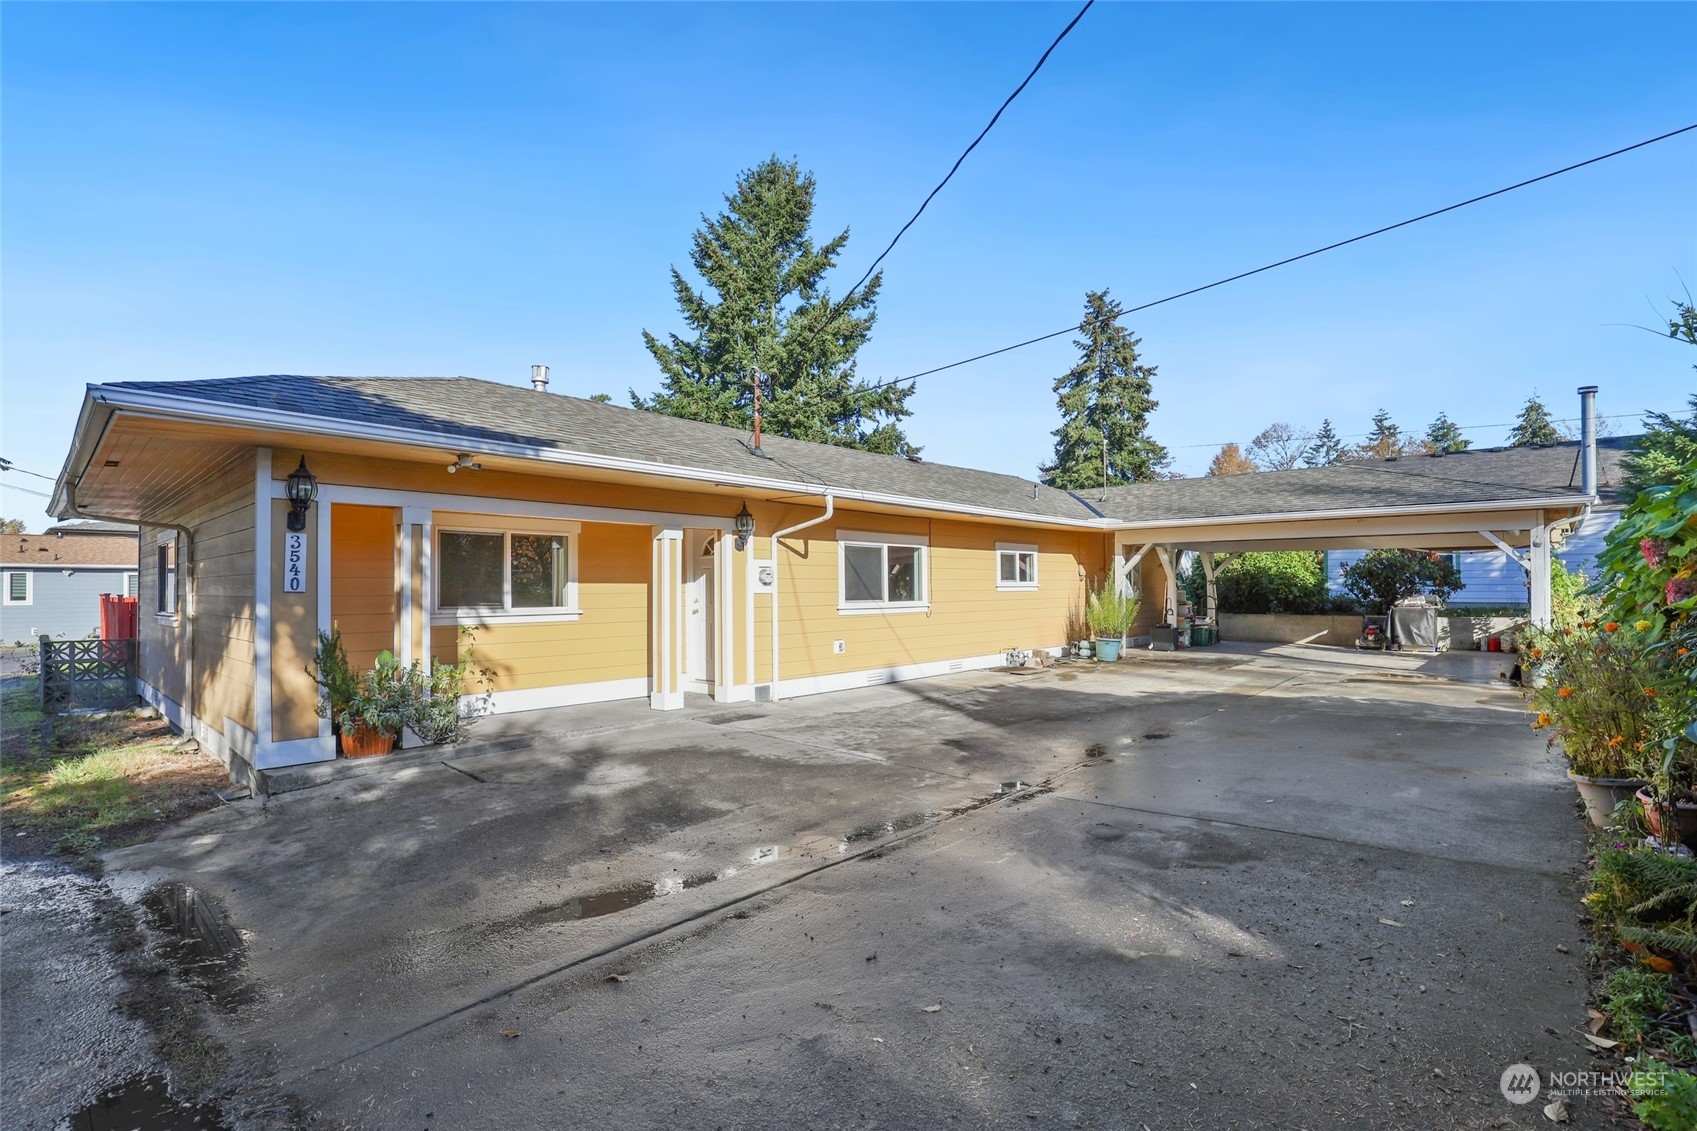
(1225, 889)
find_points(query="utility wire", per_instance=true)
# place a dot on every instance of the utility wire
(994, 118)
(1076, 327)
(8, 465)
(848, 296)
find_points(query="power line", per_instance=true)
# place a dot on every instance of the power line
(967, 152)
(1075, 328)
(842, 304)
(8, 465)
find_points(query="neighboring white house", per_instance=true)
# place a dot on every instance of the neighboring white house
(1488, 577)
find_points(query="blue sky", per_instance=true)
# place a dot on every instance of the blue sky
(209, 190)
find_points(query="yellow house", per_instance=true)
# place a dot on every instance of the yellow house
(600, 553)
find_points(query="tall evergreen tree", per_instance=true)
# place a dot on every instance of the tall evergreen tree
(1230, 460)
(1533, 426)
(1326, 449)
(768, 312)
(1384, 441)
(1105, 402)
(1444, 435)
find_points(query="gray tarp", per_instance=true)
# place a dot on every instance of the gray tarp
(1415, 626)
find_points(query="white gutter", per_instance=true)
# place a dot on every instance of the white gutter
(166, 407)
(1581, 501)
(830, 509)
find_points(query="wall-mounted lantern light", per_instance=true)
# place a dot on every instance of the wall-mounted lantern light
(744, 527)
(303, 488)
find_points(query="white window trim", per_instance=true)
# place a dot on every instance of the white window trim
(29, 587)
(479, 615)
(169, 538)
(920, 542)
(1005, 548)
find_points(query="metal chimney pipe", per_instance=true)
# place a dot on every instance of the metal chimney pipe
(539, 378)
(1588, 439)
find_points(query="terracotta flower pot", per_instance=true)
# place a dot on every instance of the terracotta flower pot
(1601, 795)
(364, 742)
(1685, 817)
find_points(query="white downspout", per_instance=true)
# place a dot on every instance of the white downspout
(830, 509)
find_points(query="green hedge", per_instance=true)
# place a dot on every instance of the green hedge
(1286, 581)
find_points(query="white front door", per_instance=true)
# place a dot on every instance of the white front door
(698, 610)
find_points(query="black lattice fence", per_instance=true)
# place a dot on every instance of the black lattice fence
(87, 674)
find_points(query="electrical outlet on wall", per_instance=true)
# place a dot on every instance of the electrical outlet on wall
(839, 646)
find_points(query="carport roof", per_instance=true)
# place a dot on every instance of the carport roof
(1487, 475)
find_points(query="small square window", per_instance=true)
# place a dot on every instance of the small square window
(19, 588)
(881, 574)
(1016, 567)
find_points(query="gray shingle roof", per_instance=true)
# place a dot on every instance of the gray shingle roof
(464, 410)
(1484, 475)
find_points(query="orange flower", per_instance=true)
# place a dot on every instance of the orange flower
(1684, 651)
(1543, 719)
(1565, 692)
(1611, 626)
(1617, 740)
(1650, 691)
(1536, 652)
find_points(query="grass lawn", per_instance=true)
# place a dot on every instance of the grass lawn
(77, 784)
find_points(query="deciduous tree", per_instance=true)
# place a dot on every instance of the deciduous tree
(1230, 460)
(1279, 447)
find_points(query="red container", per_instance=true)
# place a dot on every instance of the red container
(1493, 644)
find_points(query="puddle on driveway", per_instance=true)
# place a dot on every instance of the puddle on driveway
(1095, 750)
(886, 828)
(199, 942)
(144, 1104)
(1157, 735)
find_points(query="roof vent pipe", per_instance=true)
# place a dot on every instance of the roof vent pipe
(539, 378)
(1588, 439)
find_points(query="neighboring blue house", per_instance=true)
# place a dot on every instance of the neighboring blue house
(1488, 577)
(50, 584)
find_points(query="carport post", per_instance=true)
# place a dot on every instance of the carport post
(1165, 554)
(1538, 576)
(1213, 589)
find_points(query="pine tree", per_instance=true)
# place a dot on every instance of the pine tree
(1444, 435)
(1326, 449)
(1108, 396)
(1533, 426)
(1230, 460)
(769, 313)
(1384, 441)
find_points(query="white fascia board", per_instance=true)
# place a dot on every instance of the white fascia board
(1563, 501)
(170, 407)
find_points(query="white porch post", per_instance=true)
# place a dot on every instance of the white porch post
(665, 684)
(1213, 589)
(1538, 575)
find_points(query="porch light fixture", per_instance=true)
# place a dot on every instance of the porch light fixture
(303, 488)
(744, 527)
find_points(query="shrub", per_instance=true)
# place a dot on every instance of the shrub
(1665, 1098)
(1283, 581)
(1384, 577)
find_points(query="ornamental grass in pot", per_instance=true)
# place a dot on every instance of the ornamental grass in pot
(1110, 615)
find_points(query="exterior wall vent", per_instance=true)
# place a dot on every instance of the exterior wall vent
(762, 693)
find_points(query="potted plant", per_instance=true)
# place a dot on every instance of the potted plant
(384, 700)
(1110, 614)
(1598, 702)
(334, 675)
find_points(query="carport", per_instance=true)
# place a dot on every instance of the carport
(1520, 501)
